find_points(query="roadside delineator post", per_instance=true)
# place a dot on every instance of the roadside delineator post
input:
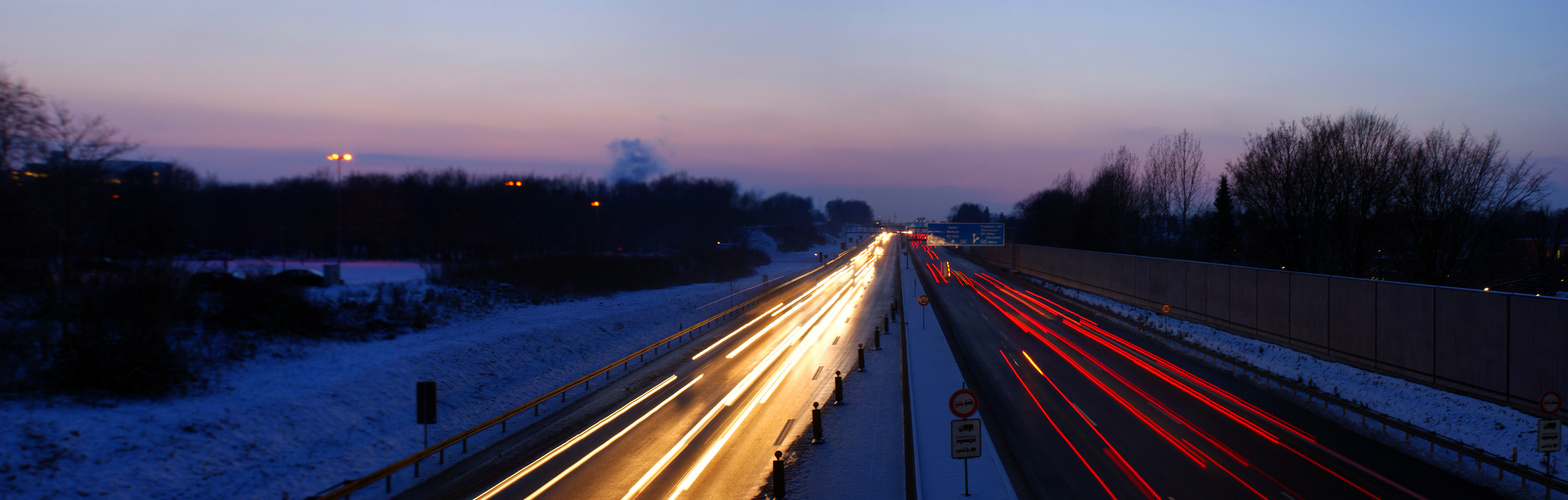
(862, 366)
(876, 338)
(838, 388)
(778, 475)
(816, 423)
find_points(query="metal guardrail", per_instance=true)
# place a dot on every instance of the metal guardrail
(1270, 380)
(344, 489)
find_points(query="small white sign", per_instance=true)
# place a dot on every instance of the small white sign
(1548, 436)
(966, 438)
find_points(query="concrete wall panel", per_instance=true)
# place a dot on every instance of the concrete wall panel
(1217, 300)
(1140, 278)
(1309, 309)
(1274, 303)
(1404, 327)
(1472, 338)
(1160, 285)
(1538, 347)
(1352, 317)
(1197, 288)
(1244, 296)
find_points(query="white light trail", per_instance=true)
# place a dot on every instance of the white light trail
(568, 444)
(612, 439)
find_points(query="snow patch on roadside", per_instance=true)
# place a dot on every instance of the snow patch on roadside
(300, 417)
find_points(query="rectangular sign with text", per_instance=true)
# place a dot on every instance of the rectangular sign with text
(964, 233)
(966, 438)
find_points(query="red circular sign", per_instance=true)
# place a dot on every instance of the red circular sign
(923, 300)
(1551, 402)
(1165, 309)
(963, 403)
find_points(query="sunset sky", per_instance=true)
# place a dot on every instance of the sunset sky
(913, 106)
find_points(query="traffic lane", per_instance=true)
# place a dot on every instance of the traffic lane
(742, 467)
(496, 463)
(1096, 393)
(590, 480)
(1313, 450)
(1300, 462)
(1109, 379)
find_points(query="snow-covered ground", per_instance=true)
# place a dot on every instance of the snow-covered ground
(301, 417)
(1495, 428)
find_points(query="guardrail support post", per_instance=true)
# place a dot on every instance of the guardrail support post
(778, 475)
(862, 366)
(838, 387)
(816, 423)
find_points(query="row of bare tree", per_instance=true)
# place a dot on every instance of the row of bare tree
(1351, 195)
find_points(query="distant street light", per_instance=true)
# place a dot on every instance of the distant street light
(340, 158)
(598, 230)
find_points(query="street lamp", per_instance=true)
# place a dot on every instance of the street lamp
(340, 158)
(598, 230)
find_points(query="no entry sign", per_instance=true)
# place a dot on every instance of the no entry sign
(1551, 402)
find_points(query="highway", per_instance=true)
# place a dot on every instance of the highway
(1087, 411)
(708, 427)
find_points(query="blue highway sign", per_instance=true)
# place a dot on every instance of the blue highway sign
(964, 233)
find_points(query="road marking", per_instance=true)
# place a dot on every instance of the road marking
(787, 424)
(835, 341)
(818, 373)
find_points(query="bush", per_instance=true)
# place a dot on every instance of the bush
(117, 332)
(269, 308)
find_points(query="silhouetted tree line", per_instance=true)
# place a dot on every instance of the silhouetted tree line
(1353, 195)
(841, 212)
(969, 212)
(96, 294)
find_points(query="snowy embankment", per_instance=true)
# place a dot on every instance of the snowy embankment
(1494, 428)
(301, 417)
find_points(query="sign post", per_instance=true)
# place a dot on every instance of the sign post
(965, 431)
(1549, 432)
(923, 300)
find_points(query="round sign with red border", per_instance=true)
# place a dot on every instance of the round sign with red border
(1165, 309)
(1551, 402)
(963, 403)
(923, 300)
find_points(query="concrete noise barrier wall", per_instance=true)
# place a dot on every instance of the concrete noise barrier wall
(1502, 347)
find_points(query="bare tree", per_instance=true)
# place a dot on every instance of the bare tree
(67, 139)
(1108, 219)
(21, 121)
(1456, 200)
(1172, 175)
(1318, 192)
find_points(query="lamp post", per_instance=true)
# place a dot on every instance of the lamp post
(340, 158)
(598, 232)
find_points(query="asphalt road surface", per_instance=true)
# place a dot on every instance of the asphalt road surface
(708, 426)
(1086, 411)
